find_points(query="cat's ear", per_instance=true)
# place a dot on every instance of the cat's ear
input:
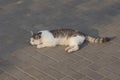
(40, 33)
(31, 32)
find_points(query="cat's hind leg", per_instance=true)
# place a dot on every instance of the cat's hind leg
(67, 48)
(72, 48)
(74, 43)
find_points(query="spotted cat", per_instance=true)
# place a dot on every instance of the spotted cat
(68, 37)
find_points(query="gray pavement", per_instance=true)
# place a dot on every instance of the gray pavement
(20, 61)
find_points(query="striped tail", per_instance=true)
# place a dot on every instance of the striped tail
(97, 40)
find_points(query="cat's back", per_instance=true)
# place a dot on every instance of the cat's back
(64, 32)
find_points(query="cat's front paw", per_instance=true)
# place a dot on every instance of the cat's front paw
(39, 46)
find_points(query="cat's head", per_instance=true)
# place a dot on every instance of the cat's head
(35, 38)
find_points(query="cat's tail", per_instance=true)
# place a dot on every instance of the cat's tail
(98, 40)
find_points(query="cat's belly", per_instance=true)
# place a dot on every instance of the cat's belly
(63, 41)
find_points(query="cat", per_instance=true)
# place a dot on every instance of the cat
(68, 37)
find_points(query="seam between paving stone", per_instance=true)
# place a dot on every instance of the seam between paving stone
(9, 73)
(27, 73)
(45, 73)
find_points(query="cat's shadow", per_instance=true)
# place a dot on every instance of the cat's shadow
(91, 32)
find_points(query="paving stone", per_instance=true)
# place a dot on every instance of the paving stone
(21, 61)
(104, 61)
(17, 73)
(109, 74)
(65, 69)
(92, 74)
(106, 79)
(38, 74)
(67, 78)
(114, 67)
(80, 63)
(54, 73)
(86, 78)
(5, 76)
